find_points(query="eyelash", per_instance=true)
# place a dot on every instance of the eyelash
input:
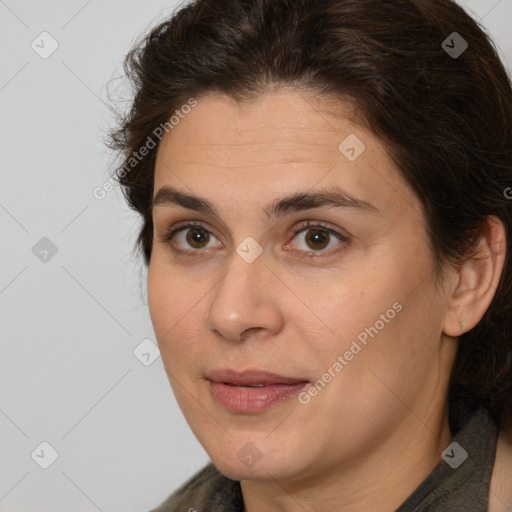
(304, 226)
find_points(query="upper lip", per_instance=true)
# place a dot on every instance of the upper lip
(250, 377)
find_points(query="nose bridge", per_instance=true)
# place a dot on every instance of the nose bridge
(242, 300)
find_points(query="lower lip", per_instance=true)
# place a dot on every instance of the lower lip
(240, 399)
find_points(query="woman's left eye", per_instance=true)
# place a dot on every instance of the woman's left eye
(315, 238)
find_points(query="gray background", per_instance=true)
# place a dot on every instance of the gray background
(73, 372)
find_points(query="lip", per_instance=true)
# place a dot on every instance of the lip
(226, 387)
(250, 377)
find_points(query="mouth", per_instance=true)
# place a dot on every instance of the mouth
(252, 390)
(251, 378)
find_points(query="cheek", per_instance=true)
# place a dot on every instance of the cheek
(401, 354)
(350, 303)
(160, 303)
(388, 314)
(173, 304)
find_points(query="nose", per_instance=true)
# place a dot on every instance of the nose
(246, 301)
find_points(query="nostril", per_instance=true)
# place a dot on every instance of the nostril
(248, 332)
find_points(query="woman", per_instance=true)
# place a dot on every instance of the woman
(323, 188)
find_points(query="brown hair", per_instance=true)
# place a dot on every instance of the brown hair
(446, 120)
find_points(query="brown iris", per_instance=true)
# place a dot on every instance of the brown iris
(317, 239)
(197, 236)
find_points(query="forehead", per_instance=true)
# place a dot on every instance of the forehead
(276, 144)
(289, 124)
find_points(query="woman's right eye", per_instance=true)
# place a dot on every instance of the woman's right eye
(190, 238)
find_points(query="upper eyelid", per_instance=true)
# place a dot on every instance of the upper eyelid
(184, 225)
(302, 225)
(309, 224)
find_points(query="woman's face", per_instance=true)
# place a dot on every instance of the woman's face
(305, 274)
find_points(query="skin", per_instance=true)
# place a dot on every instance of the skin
(377, 429)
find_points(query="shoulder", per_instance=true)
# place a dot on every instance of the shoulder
(500, 496)
(208, 489)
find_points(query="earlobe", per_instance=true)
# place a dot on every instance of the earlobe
(476, 280)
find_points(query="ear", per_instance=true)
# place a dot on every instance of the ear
(475, 282)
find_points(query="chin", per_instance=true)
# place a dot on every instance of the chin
(247, 460)
(237, 470)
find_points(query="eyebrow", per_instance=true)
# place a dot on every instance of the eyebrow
(329, 197)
